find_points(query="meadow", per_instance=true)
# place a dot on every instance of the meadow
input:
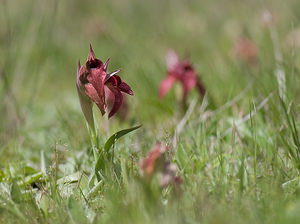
(237, 149)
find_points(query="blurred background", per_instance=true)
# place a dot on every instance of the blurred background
(41, 42)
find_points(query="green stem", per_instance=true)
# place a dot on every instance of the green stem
(94, 141)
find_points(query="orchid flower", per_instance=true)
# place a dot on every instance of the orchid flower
(91, 81)
(148, 165)
(183, 72)
(246, 50)
(156, 162)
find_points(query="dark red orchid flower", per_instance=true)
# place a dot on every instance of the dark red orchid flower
(183, 72)
(157, 162)
(91, 81)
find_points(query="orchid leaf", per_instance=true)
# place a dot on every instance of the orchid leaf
(100, 166)
(108, 144)
(104, 157)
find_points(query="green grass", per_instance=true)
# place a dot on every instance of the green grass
(238, 152)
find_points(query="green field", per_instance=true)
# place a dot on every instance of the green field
(237, 149)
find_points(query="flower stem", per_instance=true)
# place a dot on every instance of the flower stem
(94, 140)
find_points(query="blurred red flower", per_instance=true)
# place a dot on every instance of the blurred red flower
(90, 83)
(183, 72)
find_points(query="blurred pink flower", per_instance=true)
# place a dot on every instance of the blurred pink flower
(90, 83)
(246, 50)
(148, 164)
(267, 19)
(169, 175)
(156, 162)
(183, 72)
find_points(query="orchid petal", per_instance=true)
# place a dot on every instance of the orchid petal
(122, 86)
(188, 81)
(106, 64)
(125, 88)
(172, 60)
(97, 78)
(166, 85)
(91, 55)
(93, 94)
(117, 101)
(112, 74)
(200, 88)
(147, 165)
